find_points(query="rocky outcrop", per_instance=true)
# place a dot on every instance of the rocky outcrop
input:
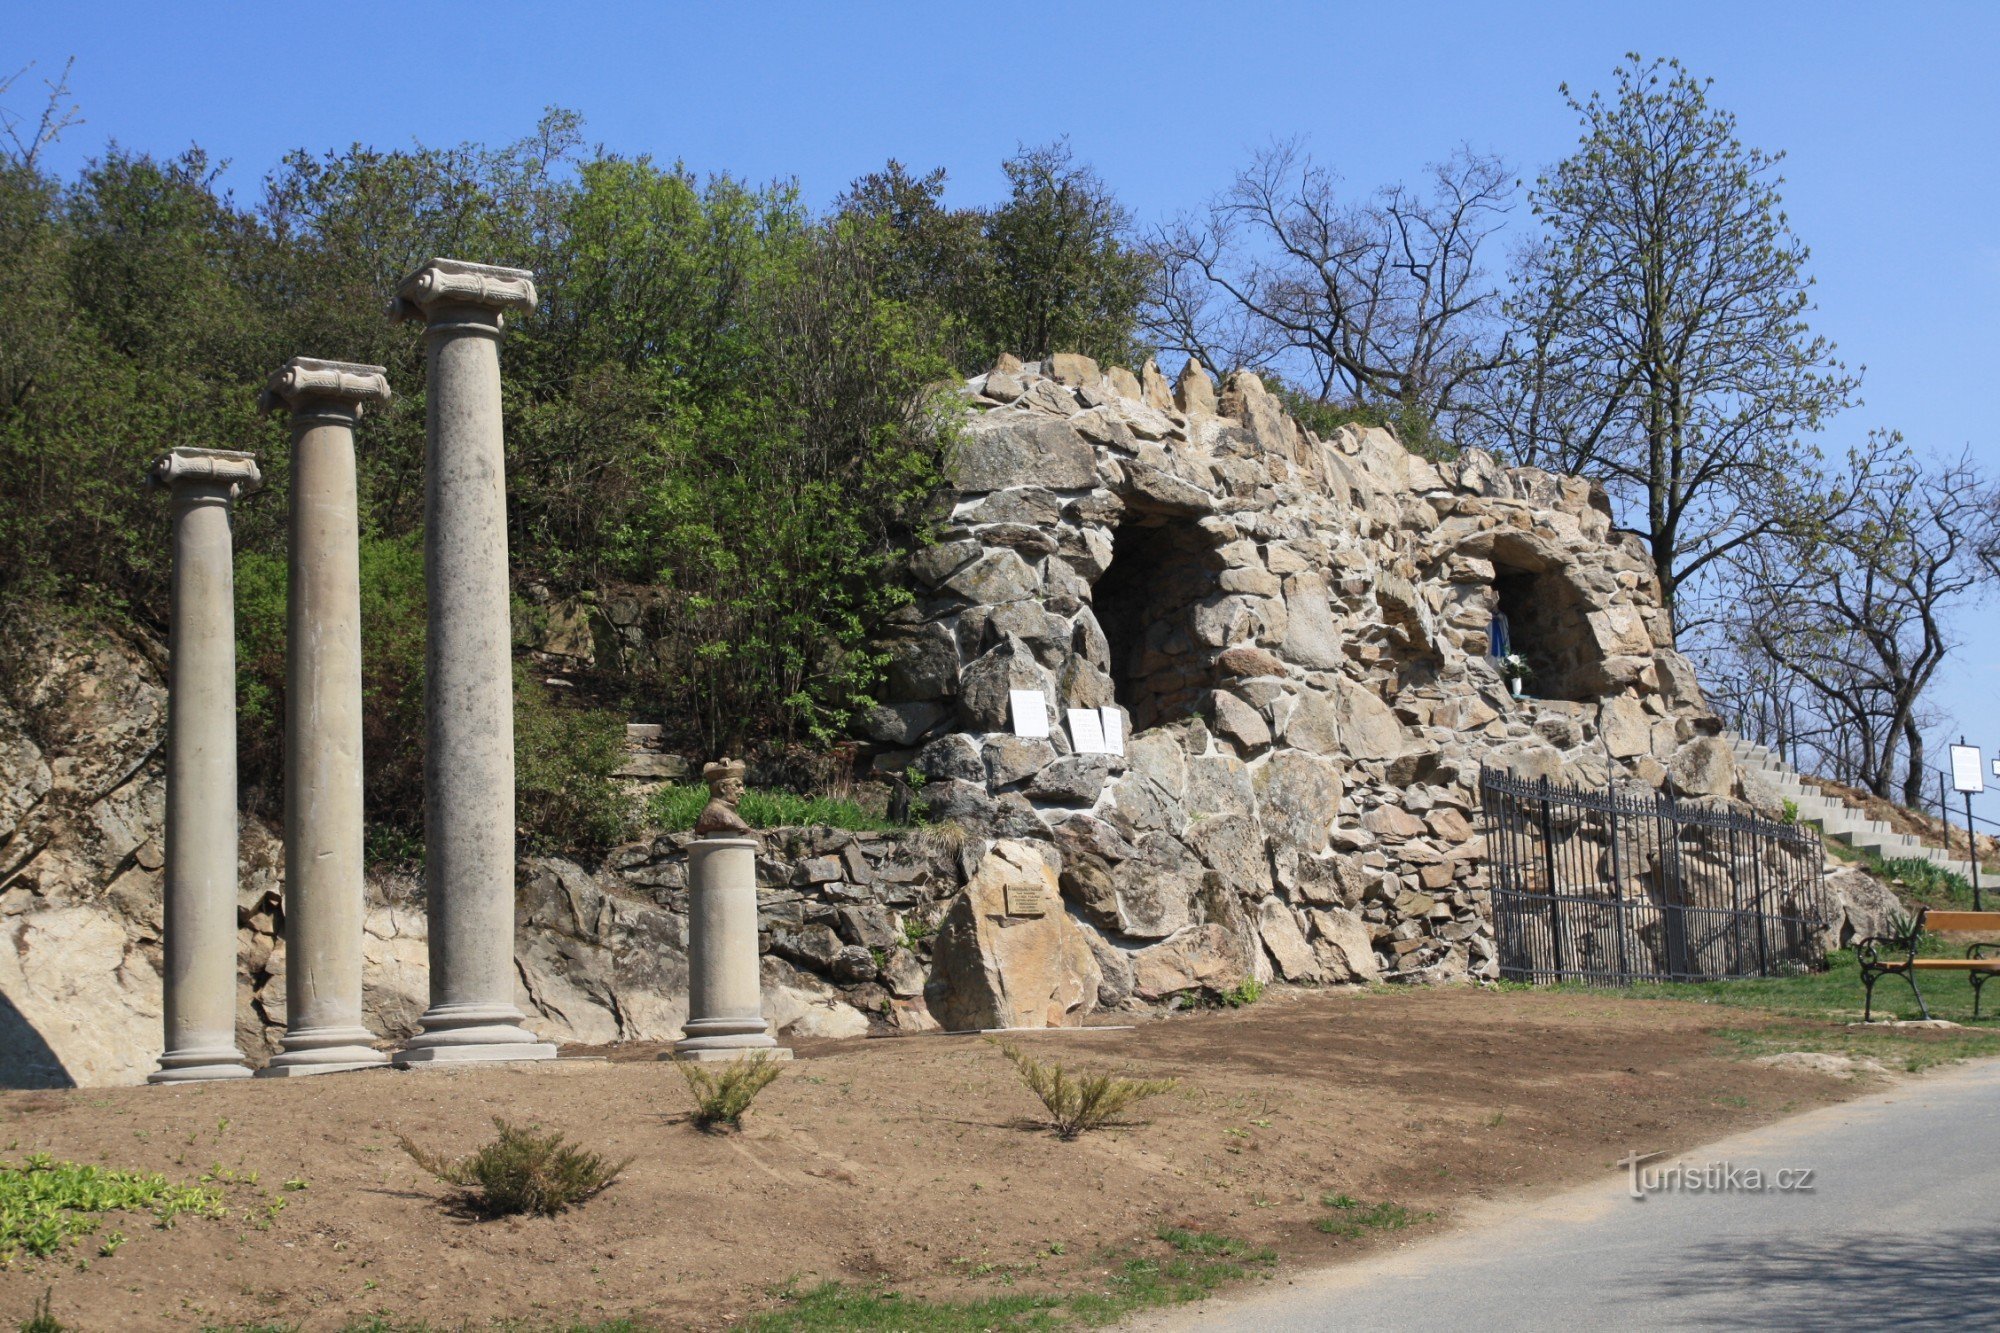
(1008, 955)
(1296, 634)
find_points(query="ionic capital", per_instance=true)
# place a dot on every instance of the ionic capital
(453, 282)
(217, 469)
(307, 384)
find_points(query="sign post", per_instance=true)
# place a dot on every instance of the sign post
(1967, 776)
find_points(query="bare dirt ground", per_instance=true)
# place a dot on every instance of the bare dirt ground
(914, 1162)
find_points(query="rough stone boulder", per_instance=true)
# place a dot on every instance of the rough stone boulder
(1857, 906)
(1007, 954)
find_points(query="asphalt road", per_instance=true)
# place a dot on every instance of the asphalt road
(1901, 1227)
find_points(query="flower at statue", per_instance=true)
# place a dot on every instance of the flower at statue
(1515, 667)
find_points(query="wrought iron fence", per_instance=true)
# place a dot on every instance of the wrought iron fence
(1614, 886)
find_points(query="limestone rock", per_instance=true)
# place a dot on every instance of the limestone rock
(1858, 907)
(984, 698)
(1368, 727)
(995, 970)
(1003, 449)
(1703, 767)
(1286, 943)
(82, 1004)
(1340, 941)
(1201, 958)
(1194, 392)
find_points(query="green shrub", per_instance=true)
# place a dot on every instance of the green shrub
(565, 796)
(722, 1095)
(1790, 813)
(1928, 878)
(1352, 1218)
(1079, 1102)
(1411, 425)
(675, 806)
(44, 1203)
(525, 1170)
(1248, 991)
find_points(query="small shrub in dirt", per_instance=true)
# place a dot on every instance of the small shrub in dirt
(721, 1096)
(1352, 1218)
(525, 1170)
(40, 1319)
(1248, 991)
(1078, 1102)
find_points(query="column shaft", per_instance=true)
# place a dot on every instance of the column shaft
(725, 991)
(201, 833)
(325, 899)
(469, 673)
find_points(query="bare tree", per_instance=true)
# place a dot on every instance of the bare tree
(58, 113)
(1381, 300)
(1857, 609)
(1661, 324)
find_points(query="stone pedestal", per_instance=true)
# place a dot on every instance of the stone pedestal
(324, 898)
(725, 992)
(468, 662)
(200, 998)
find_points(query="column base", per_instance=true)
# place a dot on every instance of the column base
(471, 1054)
(706, 1039)
(199, 1067)
(470, 1033)
(324, 1051)
(704, 1055)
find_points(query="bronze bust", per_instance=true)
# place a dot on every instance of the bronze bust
(725, 788)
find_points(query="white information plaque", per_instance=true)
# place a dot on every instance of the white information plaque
(1113, 726)
(1965, 772)
(1086, 731)
(1031, 712)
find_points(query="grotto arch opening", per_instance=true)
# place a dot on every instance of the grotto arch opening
(1160, 570)
(1539, 615)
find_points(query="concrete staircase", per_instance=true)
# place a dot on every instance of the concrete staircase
(1835, 817)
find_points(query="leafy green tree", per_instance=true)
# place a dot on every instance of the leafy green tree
(925, 255)
(1662, 321)
(1066, 276)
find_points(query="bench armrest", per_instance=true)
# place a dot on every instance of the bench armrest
(1876, 949)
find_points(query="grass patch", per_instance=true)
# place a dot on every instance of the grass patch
(1248, 991)
(46, 1204)
(721, 1096)
(524, 1170)
(675, 806)
(1351, 1219)
(1198, 1265)
(1080, 1102)
(1813, 1010)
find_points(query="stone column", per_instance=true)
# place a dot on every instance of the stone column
(201, 768)
(469, 669)
(324, 899)
(725, 992)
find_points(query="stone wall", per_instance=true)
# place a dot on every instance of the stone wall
(1296, 631)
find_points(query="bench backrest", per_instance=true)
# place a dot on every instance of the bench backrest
(1962, 921)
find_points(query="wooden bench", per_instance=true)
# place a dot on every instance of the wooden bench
(1896, 955)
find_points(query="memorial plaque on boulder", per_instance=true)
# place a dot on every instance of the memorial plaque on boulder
(1026, 900)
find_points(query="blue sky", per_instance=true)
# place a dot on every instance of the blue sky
(1889, 114)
